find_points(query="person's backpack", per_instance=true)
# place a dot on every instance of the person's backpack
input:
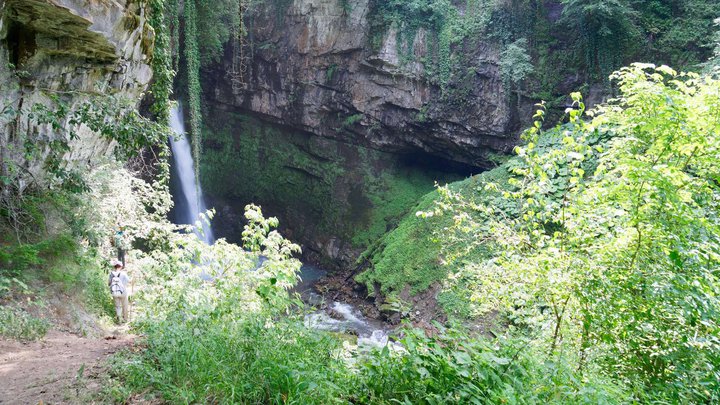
(116, 287)
(120, 240)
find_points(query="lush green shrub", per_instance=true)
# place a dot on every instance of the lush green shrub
(609, 255)
(258, 360)
(453, 368)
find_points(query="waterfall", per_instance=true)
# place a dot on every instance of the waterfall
(191, 190)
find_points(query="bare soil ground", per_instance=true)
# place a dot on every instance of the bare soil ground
(62, 368)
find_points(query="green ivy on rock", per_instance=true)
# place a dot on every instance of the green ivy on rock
(192, 59)
(163, 72)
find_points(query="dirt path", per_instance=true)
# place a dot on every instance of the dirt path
(48, 371)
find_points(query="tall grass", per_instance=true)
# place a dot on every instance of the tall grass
(260, 361)
(249, 361)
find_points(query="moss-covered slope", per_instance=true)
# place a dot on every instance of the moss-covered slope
(417, 254)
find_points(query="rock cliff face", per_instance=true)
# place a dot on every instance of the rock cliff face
(71, 51)
(339, 133)
(312, 66)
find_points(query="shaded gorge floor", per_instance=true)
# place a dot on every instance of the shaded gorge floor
(333, 198)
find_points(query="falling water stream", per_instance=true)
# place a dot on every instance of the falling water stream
(190, 189)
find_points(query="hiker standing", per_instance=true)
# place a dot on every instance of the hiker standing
(120, 242)
(119, 283)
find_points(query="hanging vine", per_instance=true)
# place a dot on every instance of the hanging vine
(448, 29)
(192, 60)
(162, 87)
(163, 73)
(173, 20)
(241, 51)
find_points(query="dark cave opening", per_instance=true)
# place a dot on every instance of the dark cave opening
(21, 43)
(424, 161)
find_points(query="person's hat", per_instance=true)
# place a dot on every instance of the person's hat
(116, 263)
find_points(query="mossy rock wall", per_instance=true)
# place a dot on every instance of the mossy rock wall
(333, 197)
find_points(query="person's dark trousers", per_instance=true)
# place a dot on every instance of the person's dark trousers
(121, 256)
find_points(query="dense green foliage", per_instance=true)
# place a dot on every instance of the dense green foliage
(602, 243)
(516, 64)
(257, 360)
(606, 32)
(263, 364)
(590, 37)
(17, 324)
(713, 65)
(216, 22)
(433, 258)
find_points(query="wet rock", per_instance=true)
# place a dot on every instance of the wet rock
(312, 298)
(334, 314)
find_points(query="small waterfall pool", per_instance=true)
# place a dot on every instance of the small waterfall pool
(342, 317)
(338, 316)
(309, 275)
